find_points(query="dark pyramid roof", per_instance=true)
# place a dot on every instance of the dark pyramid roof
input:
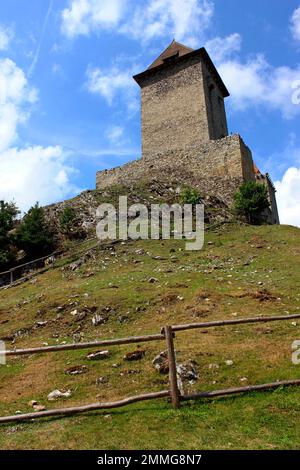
(174, 49)
(177, 52)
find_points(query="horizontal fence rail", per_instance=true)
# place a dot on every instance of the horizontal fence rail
(167, 334)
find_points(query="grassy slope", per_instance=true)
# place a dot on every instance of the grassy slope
(219, 282)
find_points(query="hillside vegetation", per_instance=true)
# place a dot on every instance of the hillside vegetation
(136, 288)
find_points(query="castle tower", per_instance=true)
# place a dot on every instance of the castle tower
(182, 100)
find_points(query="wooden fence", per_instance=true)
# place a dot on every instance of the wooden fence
(11, 276)
(167, 334)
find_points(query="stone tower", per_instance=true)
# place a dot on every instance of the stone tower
(185, 137)
(182, 100)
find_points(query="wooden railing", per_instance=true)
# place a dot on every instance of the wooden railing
(167, 334)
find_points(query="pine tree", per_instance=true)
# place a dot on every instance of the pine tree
(8, 214)
(33, 235)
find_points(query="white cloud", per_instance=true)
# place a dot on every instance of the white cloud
(113, 82)
(185, 20)
(221, 48)
(107, 83)
(6, 35)
(16, 97)
(295, 24)
(35, 174)
(86, 16)
(288, 197)
(257, 83)
(27, 174)
(115, 134)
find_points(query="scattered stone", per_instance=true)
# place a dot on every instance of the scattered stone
(76, 370)
(96, 356)
(135, 355)
(123, 318)
(33, 403)
(81, 316)
(56, 394)
(101, 380)
(152, 280)
(229, 362)
(98, 320)
(74, 266)
(187, 371)
(213, 366)
(12, 430)
(243, 379)
(39, 408)
(161, 363)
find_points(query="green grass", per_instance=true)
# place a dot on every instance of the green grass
(222, 281)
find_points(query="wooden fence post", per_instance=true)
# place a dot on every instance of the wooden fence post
(172, 367)
(11, 276)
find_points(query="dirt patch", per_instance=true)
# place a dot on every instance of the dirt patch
(170, 298)
(263, 295)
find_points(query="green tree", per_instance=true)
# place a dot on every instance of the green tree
(189, 196)
(8, 214)
(33, 235)
(251, 200)
(67, 220)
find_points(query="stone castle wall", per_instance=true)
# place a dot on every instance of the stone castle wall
(182, 106)
(216, 168)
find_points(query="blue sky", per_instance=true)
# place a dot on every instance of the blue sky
(69, 107)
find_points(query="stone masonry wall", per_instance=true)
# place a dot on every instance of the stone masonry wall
(216, 115)
(174, 112)
(216, 168)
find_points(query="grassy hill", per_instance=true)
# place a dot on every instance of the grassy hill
(242, 271)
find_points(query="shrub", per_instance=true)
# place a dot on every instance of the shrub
(189, 196)
(251, 200)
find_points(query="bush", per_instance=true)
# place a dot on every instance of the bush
(33, 236)
(67, 219)
(8, 214)
(251, 200)
(189, 196)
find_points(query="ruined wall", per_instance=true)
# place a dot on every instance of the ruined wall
(216, 168)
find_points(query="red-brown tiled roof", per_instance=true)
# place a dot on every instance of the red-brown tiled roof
(175, 48)
(256, 170)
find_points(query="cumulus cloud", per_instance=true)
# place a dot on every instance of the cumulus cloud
(6, 35)
(35, 174)
(107, 83)
(111, 83)
(222, 48)
(83, 17)
(257, 83)
(28, 174)
(184, 19)
(295, 24)
(288, 197)
(16, 97)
